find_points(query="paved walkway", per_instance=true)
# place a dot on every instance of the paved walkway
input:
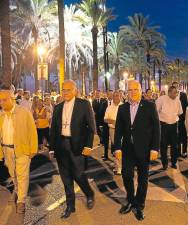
(166, 200)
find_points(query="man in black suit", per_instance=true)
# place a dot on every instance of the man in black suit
(137, 138)
(96, 104)
(182, 133)
(105, 131)
(72, 133)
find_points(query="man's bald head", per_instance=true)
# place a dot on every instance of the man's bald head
(134, 91)
(6, 99)
(69, 90)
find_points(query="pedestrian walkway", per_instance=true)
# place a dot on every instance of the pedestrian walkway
(166, 200)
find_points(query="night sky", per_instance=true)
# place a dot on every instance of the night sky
(171, 15)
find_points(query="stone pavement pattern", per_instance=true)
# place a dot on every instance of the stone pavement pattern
(166, 200)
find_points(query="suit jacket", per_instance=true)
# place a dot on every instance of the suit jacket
(82, 127)
(145, 130)
(97, 108)
(25, 133)
(183, 100)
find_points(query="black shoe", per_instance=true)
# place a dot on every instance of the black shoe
(126, 208)
(67, 212)
(105, 159)
(139, 214)
(90, 202)
(184, 155)
(174, 166)
(165, 167)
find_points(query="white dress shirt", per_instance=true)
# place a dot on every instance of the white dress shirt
(168, 109)
(111, 113)
(8, 129)
(66, 117)
(133, 111)
(26, 104)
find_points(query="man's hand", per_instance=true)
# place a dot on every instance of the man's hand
(32, 155)
(51, 155)
(86, 151)
(153, 155)
(118, 155)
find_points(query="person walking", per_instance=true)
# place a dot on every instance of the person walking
(169, 109)
(18, 144)
(137, 139)
(71, 135)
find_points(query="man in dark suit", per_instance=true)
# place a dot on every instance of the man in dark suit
(105, 130)
(137, 138)
(96, 104)
(182, 133)
(72, 133)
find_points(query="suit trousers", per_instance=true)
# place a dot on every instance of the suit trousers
(105, 139)
(130, 162)
(71, 168)
(182, 137)
(169, 136)
(18, 168)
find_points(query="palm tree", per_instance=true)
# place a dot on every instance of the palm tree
(115, 49)
(61, 43)
(97, 17)
(143, 36)
(5, 43)
(30, 20)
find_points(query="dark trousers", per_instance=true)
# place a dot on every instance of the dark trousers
(71, 168)
(99, 130)
(105, 139)
(182, 137)
(43, 133)
(129, 163)
(169, 136)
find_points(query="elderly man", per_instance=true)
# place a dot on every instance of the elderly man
(72, 133)
(18, 144)
(137, 136)
(169, 109)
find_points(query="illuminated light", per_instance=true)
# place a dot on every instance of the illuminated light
(125, 75)
(108, 75)
(152, 82)
(166, 86)
(41, 51)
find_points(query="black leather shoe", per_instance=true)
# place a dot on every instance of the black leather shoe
(67, 212)
(165, 167)
(90, 202)
(184, 155)
(174, 166)
(126, 208)
(139, 214)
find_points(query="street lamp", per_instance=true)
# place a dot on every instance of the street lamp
(42, 70)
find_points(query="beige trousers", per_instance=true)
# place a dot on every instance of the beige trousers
(18, 168)
(117, 162)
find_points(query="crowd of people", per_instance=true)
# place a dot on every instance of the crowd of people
(133, 127)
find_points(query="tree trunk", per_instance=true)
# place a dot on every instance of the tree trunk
(5, 43)
(141, 79)
(95, 57)
(154, 70)
(160, 72)
(116, 71)
(61, 43)
(35, 36)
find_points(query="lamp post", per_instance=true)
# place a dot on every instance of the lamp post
(42, 70)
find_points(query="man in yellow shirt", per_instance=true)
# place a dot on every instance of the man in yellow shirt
(18, 144)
